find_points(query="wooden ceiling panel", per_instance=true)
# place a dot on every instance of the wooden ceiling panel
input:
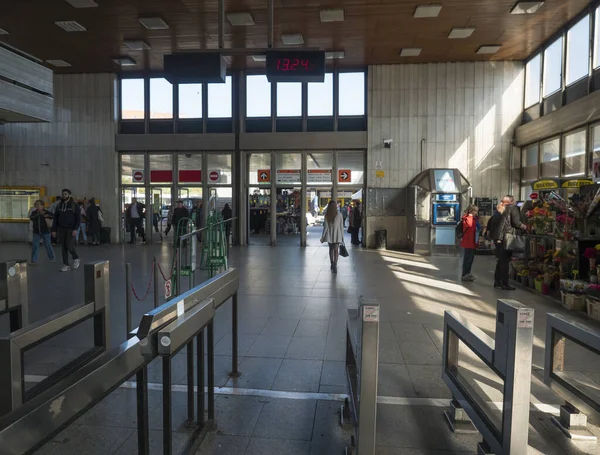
(373, 32)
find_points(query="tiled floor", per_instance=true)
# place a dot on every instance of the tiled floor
(292, 329)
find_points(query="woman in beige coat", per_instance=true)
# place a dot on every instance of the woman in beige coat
(333, 233)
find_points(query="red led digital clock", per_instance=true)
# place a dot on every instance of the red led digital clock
(296, 66)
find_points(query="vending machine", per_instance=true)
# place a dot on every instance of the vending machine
(436, 200)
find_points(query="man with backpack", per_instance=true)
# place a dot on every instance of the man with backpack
(67, 219)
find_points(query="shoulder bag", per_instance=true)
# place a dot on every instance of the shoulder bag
(513, 240)
(343, 250)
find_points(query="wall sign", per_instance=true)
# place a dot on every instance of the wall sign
(161, 176)
(190, 176)
(137, 175)
(319, 176)
(380, 174)
(344, 175)
(288, 176)
(214, 176)
(264, 175)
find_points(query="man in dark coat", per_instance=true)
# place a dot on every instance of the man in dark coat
(94, 223)
(135, 213)
(179, 214)
(67, 219)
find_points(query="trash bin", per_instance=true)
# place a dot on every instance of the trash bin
(381, 240)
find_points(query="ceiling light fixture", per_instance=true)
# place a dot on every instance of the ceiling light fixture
(82, 3)
(240, 19)
(335, 55)
(137, 45)
(526, 7)
(332, 15)
(259, 58)
(294, 39)
(153, 23)
(58, 63)
(71, 26)
(427, 11)
(3, 32)
(410, 52)
(124, 61)
(461, 33)
(488, 49)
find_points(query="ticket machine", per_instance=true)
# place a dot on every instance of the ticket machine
(436, 200)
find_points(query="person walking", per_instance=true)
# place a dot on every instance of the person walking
(179, 214)
(344, 215)
(197, 218)
(66, 224)
(227, 214)
(468, 242)
(333, 233)
(42, 222)
(511, 221)
(156, 214)
(135, 213)
(356, 223)
(95, 218)
(82, 226)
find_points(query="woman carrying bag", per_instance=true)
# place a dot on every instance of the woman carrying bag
(333, 234)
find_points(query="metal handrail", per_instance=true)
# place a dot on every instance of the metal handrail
(13, 293)
(197, 231)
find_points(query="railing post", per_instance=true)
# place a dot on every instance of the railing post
(13, 293)
(97, 289)
(156, 278)
(234, 337)
(141, 384)
(127, 300)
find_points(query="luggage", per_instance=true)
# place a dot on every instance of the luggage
(105, 235)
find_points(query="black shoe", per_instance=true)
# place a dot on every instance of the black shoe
(506, 287)
(334, 268)
(497, 285)
(131, 242)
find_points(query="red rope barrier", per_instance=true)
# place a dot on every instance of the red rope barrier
(147, 290)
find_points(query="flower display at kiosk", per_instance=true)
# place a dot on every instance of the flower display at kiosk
(540, 219)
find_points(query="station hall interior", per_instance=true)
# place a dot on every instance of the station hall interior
(233, 328)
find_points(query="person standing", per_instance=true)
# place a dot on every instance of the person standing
(82, 226)
(67, 219)
(333, 233)
(344, 215)
(227, 214)
(356, 223)
(494, 233)
(135, 214)
(468, 242)
(511, 221)
(94, 215)
(197, 218)
(156, 214)
(41, 231)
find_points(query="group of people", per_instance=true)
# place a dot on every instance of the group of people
(64, 220)
(506, 220)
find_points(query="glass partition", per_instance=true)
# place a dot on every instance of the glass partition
(320, 97)
(189, 167)
(531, 163)
(532, 81)
(190, 101)
(161, 99)
(132, 169)
(219, 168)
(578, 49)
(550, 158)
(161, 168)
(574, 154)
(553, 68)
(219, 99)
(289, 99)
(259, 162)
(351, 99)
(354, 162)
(288, 168)
(258, 96)
(133, 102)
(319, 167)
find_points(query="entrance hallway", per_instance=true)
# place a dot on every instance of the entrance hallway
(292, 322)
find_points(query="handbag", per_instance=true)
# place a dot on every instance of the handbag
(514, 242)
(100, 217)
(343, 250)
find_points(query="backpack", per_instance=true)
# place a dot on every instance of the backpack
(459, 230)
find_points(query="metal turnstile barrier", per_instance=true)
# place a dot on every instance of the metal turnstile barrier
(13, 293)
(580, 392)
(362, 363)
(13, 346)
(175, 324)
(510, 357)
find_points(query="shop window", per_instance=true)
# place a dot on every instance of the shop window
(289, 99)
(530, 163)
(550, 158)
(320, 97)
(189, 168)
(132, 168)
(258, 96)
(190, 101)
(578, 49)
(219, 99)
(132, 99)
(219, 168)
(553, 68)
(351, 100)
(532, 81)
(259, 162)
(161, 99)
(353, 162)
(574, 154)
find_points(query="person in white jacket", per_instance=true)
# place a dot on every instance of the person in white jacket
(333, 233)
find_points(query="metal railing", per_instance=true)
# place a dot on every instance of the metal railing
(13, 293)
(579, 391)
(179, 321)
(13, 346)
(362, 364)
(510, 357)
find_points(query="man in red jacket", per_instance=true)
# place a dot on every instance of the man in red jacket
(469, 224)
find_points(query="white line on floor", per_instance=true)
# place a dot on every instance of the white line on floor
(398, 401)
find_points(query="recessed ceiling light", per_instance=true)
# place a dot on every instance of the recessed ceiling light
(259, 58)
(82, 3)
(137, 45)
(71, 26)
(427, 11)
(460, 33)
(335, 55)
(527, 7)
(488, 49)
(124, 61)
(332, 15)
(58, 63)
(293, 39)
(3, 32)
(153, 23)
(240, 19)
(410, 52)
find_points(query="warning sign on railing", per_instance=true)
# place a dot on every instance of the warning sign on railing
(168, 289)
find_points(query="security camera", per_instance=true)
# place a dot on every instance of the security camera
(387, 143)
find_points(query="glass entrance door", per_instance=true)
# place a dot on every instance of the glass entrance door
(259, 214)
(316, 203)
(160, 206)
(288, 216)
(128, 194)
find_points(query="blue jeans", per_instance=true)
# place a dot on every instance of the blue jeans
(468, 256)
(82, 230)
(36, 246)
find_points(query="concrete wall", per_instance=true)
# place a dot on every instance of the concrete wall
(466, 112)
(76, 151)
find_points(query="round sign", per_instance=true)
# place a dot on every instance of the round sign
(213, 176)
(533, 196)
(138, 176)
